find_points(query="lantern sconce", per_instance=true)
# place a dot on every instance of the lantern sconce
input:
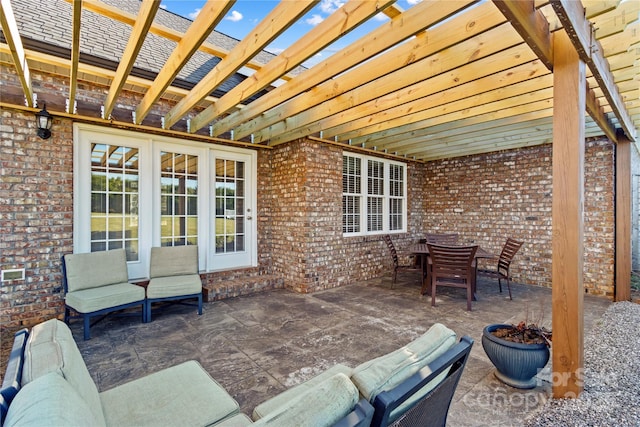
(43, 122)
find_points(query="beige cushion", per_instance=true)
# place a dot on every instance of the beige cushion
(49, 401)
(173, 261)
(172, 286)
(386, 372)
(183, 395)
(85, 271)
(286, 396)
(51, 348)
(319, 406)
(94, 299)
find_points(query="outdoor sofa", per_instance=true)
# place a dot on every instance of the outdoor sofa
(47, 382)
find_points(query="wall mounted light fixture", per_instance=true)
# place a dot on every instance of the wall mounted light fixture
(43, 122)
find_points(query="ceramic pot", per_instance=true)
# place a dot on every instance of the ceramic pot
(516, 364)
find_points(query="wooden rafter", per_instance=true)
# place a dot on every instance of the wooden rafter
(505, 83)
(104, 9)
(452, 59)
(139, 32)
(280, 18)
(75, 54)
(451, 103)
(534, 29)
(532, 26)
(395, 31)
(336, 25)
(583, 38)
(210, 15)
(12, 35)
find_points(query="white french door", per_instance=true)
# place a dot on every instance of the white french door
(233, 225)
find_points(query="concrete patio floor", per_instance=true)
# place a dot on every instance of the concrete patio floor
(258, 345)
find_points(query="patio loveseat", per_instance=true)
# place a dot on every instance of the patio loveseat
(47, 379)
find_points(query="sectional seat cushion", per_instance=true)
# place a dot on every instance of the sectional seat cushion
(52, 401)
(94, 299)
(51, 348)
(165, 287)
(92, 270)
(286, 396)
(319, 406)
(183, 395)
(386, 372)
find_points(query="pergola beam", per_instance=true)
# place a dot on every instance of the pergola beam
(623, 220)
(567, 212)
(582, 35)
(532, 25)
(139, 32)
(210, 15)
(75, 54)
(275, 23)
(387, 35)
(352, 14)
(12, 36)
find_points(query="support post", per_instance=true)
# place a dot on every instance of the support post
(623, 220)
(569, 104)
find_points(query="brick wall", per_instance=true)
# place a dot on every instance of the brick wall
(487, 198)
(36, 213)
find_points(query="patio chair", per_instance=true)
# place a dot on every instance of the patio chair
(501, 271)
(448, 239)
(409, 405)
(453, 266)
(174, 276)
(96, 284)
(396, 263)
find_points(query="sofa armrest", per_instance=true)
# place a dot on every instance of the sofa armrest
(360, 416)
(12, 379)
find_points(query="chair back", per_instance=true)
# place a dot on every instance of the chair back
(432, 408)
(392, 249)
(452, 263)
(95, 269)
(509, 250)
(167, 261)
(448, 239)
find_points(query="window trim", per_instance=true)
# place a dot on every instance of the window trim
(364, 195)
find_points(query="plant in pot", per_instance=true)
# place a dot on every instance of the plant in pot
(518, 352)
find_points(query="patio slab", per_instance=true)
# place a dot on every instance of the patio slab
(257, 346)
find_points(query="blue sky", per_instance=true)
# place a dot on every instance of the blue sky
(246, 14)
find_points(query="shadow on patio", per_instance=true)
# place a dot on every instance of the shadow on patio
(259, 345)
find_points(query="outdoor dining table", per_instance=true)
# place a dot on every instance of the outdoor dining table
(422, 250)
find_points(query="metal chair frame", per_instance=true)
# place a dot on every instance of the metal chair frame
(396, 264)
(509, 250)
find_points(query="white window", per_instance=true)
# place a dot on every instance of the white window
(135, 191)
(373, 195)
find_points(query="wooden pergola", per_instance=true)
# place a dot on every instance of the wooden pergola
(438, 80)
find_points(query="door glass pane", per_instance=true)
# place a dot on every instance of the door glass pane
(114, 199)
(230, 202)
(179, 212)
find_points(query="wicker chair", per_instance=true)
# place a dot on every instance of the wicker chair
(396, 263)
(453, 266)
(501, 271)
